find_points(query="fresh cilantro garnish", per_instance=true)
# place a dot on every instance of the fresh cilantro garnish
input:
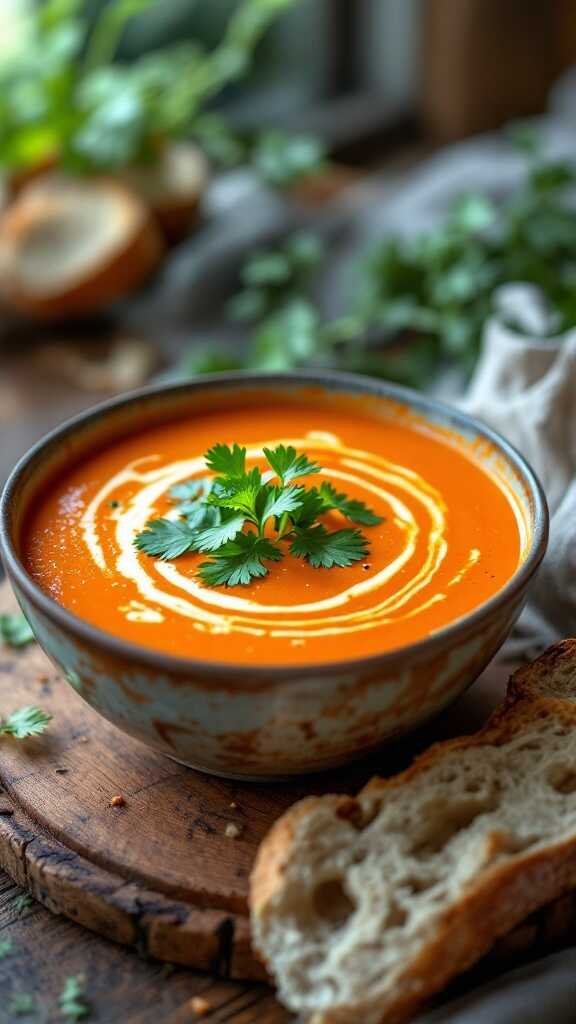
(15, 630)
(238, 493)
(324, 549)
(27, 721)
(245, 518)
(239, 561)
(72, 1000)
(288, 465)
(6, 948)
(166, 538)
(214, 537)
(311, 506)
(352, 509)
(190, 490)
(226, 461)
(278, 500)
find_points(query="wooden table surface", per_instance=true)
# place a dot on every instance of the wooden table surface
(121, 988)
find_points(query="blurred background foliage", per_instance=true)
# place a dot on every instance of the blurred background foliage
(306, 100)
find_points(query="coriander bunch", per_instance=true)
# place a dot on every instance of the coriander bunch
(244, 518)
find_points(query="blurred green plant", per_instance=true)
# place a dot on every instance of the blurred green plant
(421, 303)
(62, 95)
(439, 287)
(275, 300)
(279, 159)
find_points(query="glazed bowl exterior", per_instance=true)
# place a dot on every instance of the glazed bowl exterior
(262, 721)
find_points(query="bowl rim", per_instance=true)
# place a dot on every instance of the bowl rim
(335, 380)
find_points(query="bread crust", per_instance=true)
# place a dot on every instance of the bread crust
(112, 278)
(498, 899)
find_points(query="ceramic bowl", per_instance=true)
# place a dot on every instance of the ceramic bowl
(263, 722)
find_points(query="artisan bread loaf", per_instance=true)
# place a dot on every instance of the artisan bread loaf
(364, 907)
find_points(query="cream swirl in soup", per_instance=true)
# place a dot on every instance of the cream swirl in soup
(451, 536)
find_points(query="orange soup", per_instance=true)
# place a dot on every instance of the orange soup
(450, 538)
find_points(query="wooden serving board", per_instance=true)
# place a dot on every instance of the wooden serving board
(162, 872)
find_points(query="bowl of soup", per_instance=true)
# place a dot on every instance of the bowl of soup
(306, 667)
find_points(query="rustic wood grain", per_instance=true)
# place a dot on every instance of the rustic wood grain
(159, 874)
(121, 986)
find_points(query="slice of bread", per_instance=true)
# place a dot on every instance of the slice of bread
(363, 908)
(71, 246)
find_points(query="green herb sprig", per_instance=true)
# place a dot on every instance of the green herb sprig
(72, 1000)
(15, 630)
(245, 518)
(26, 721)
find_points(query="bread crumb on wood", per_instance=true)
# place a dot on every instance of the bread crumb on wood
(200, 1006)
(232, 831)
(118, 801)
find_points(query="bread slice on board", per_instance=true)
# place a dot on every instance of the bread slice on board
(363, 908)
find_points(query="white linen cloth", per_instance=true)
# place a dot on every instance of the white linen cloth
(525, 388)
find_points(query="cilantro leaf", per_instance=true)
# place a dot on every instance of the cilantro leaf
(191, 496)
(199, 516)
(239, 561)
(325, 550)
(26, 721)
(227, 461)
(72, 1000)
(238, 493)
(15, 630)
(166, 538)
(214, 537)
(354, 510)
(278, 500)
(214, 512)
(312, 505)
(287, 464)
(190, 490)
(6, 948)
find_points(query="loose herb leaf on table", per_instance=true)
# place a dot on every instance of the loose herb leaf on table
(245, 518)
(72, 999)
(26, 721)
(15, 630)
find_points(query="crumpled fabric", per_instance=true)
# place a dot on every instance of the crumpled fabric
(524, 387)
(543, 992)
